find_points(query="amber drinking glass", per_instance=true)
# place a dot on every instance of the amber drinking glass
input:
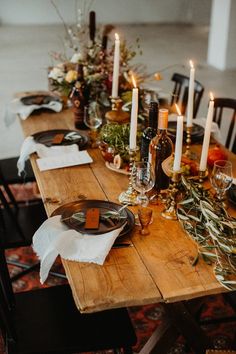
(145, 217)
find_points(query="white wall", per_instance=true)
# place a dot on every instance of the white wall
(222, 43)
(231, 54)
(108, 11)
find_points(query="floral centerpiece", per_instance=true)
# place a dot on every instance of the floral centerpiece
(97, 59)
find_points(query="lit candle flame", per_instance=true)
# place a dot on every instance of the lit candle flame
(117, 36)
(211, 96)
(134, 82)
(191, 64)
(177, 109)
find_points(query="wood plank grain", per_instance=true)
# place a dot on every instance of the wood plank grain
(123, 280)
(157, 268)
(167, 252)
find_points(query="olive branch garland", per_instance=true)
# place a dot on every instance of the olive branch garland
(214, 231)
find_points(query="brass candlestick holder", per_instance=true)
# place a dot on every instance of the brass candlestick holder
(188, 142)
(129, 196)
(117, 115)
(171, 201)
(201, 176)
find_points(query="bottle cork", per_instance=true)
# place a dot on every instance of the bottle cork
(163, 118)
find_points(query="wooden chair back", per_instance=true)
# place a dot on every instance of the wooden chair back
(225, 108)
(180, 93)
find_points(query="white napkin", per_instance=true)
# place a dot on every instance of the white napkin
(29, 146)
(64, 160)
(24, 111)
(54, 238)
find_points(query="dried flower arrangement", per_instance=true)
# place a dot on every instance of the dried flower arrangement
(96, 58)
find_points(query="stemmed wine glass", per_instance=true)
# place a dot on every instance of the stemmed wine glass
(93, 120)
(143, 181)
(221, 178)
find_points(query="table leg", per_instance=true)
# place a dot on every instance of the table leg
(180, 319)
(161, 340)
(184, 321)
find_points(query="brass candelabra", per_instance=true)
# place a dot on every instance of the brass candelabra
(172, 194)
(117, 115)
(130, 195)
(188, 142)
(201, 176)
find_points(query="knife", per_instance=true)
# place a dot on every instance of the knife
(122, 245)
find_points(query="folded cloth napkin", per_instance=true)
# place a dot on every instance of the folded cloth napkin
(24, 111)
(29, 146)
(54, 238)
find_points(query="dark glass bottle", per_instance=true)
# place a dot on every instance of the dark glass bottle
(150, 131)
(92, 26)
(160, 149)
(78, 99)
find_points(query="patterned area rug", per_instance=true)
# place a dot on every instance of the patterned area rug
(146, 318)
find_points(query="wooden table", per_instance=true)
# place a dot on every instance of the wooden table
(157, 269)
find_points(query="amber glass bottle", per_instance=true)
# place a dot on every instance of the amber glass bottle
(78, 99)
(160, 148)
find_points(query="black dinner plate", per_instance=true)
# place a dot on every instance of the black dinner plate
(46, 137)
(69, 209)
(38, 99)
(196, 135)
(232, 194)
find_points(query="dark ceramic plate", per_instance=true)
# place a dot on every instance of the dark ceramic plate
(70, 137)
(38, 99)
(69, 209)
(232, 194)
(196, 136)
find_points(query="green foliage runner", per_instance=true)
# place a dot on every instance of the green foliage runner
(214, 231)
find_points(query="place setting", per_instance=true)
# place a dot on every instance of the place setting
(55, 148)
(82, 231)
(29, 102)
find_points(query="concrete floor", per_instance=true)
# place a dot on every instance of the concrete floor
(24, 58)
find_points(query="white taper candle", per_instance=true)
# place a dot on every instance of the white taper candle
(190, 95)
(178, 143)
(207, 135)
(116, 67)
(134, 118)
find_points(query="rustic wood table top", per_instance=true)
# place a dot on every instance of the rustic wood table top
(158, 266)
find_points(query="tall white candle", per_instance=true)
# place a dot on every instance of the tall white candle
(207, 135)
(190, 95)
(178, 141)
(116, 67)
(134, 117)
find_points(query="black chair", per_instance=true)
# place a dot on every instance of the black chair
(8, 168)
(180, 93)
(18, 223)
(220, 116)
(9, 175)
(47, 321)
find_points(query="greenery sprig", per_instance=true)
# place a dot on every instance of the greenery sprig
(214, 231)
(108, 216)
